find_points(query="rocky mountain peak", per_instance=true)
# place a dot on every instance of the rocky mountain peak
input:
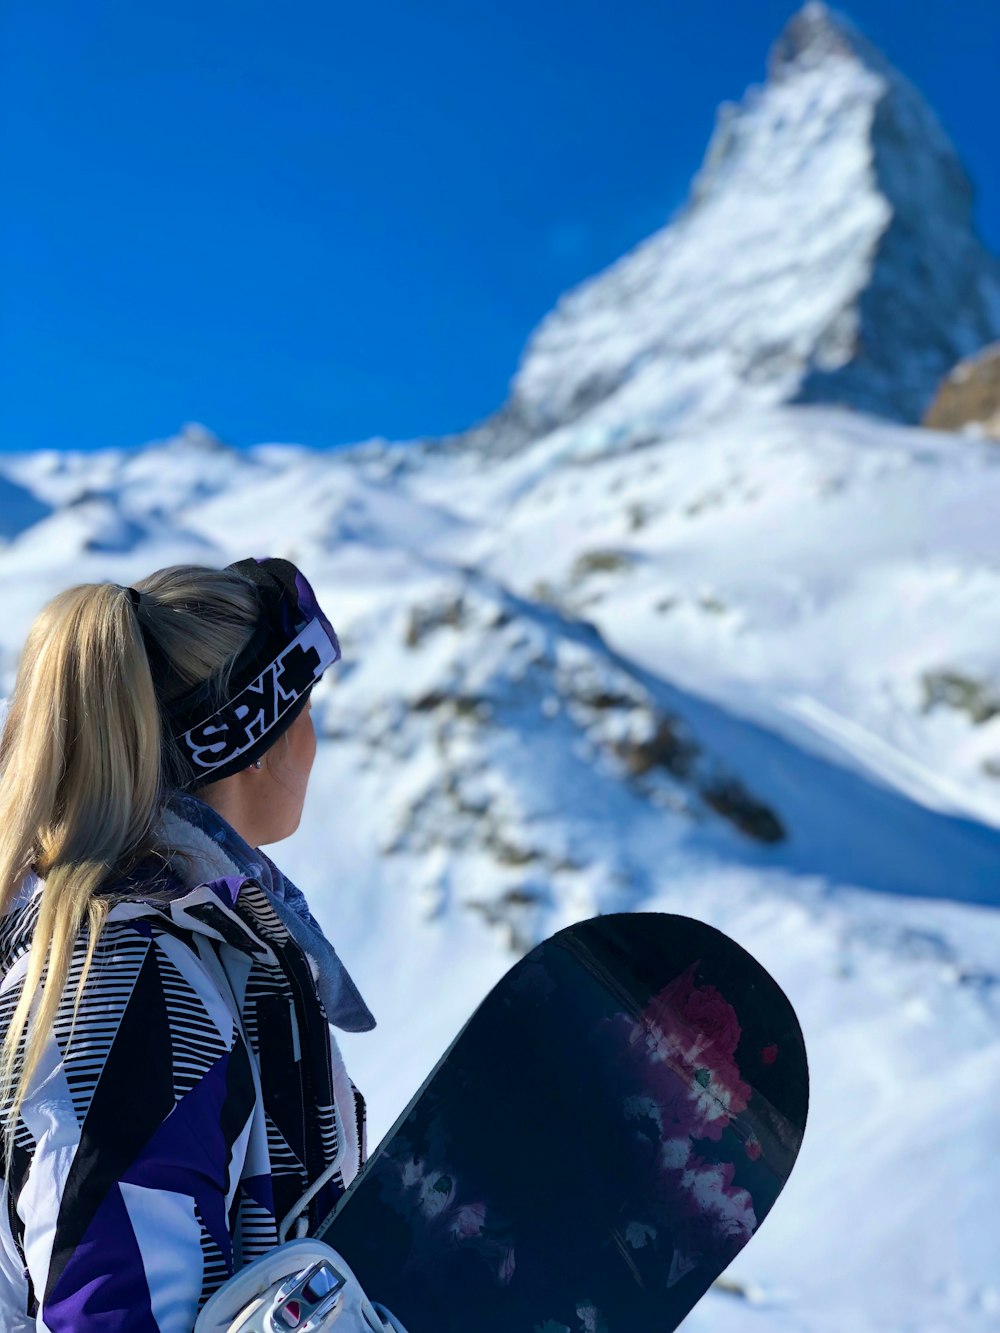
(826, 253)
(816, 35)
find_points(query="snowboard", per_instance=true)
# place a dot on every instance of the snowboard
(606, 1132)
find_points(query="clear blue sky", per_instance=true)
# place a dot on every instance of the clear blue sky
(318, 222)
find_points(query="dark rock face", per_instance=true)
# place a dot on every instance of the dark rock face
(933, 295)
(816, 35)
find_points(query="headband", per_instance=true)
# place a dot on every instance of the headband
(292, 645)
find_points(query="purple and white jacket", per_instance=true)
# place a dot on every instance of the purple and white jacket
(201, 1095)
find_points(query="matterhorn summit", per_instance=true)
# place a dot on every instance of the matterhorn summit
(826, 254)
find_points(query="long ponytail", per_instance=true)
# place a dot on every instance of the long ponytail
(86, 758)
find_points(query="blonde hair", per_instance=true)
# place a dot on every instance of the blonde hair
(86, 758)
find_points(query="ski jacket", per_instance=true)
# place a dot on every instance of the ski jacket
(202, 1093)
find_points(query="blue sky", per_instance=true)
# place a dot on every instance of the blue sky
(315, 222)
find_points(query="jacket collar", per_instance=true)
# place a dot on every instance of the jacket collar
(215, 851)
(232, 908)
(222, 889)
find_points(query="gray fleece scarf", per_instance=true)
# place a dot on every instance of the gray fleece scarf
(192, 826)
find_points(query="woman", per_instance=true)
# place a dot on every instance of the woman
(173, 1101)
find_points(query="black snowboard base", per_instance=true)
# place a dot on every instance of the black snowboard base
(604, 1135)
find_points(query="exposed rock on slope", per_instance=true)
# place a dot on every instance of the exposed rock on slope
(970, 396)
(505, 695)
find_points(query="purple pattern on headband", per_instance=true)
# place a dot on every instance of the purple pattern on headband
(312, 609)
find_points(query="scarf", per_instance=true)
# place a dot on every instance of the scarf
(190, 824)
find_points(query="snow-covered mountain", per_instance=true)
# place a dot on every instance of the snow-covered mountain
(731, 654)
(826, 254)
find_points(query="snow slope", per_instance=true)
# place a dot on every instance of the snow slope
(480, 783)
(834, 577)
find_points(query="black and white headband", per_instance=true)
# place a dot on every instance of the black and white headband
(292, 645)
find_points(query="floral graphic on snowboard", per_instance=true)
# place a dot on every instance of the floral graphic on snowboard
(677, 1060)
(443, 1220)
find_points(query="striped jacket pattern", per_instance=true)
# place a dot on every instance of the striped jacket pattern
(165, 1137)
